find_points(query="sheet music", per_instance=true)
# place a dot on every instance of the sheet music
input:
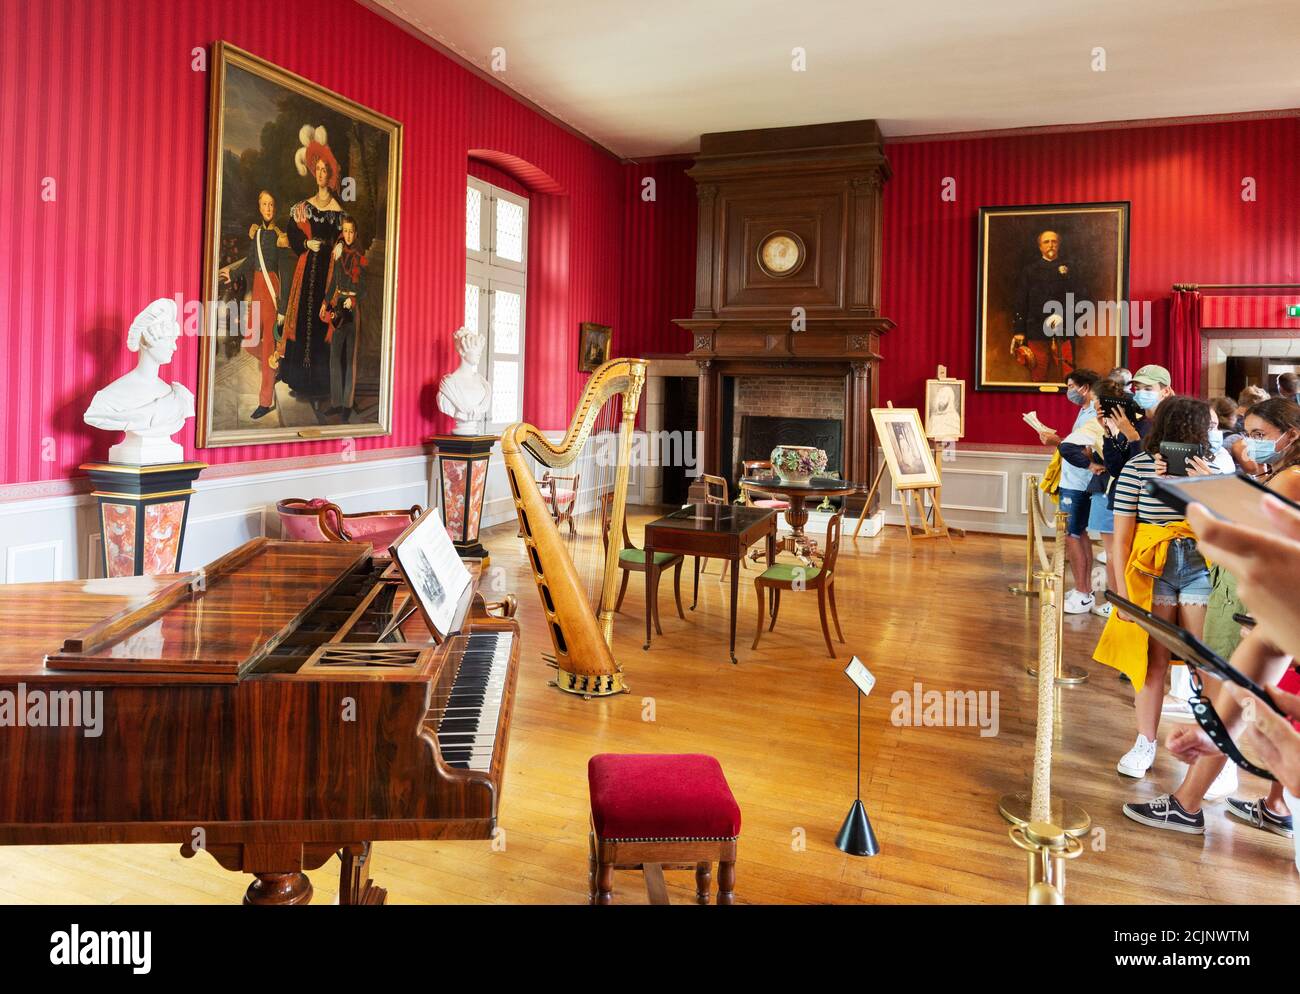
(437, 576)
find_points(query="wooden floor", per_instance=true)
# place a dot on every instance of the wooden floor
(781, 723)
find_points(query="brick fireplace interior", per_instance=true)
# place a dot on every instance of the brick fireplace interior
(778, 409)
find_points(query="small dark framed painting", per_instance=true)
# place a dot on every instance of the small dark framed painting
(593, 346)
(1052, 294)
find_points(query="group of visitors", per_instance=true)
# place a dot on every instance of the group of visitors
(1191, 569)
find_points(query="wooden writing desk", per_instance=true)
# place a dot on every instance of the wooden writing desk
(716, 531)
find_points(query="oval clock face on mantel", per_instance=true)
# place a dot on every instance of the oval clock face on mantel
(781, 253)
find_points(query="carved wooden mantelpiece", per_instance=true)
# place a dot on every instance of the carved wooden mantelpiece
(788, 261)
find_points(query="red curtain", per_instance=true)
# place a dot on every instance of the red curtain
(1185, 341)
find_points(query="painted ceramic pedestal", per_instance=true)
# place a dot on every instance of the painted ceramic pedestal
(143, 511)
(462, 469)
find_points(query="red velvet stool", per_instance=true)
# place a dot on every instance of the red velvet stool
(654, 811)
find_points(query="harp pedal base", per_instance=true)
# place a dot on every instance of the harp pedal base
(589, 685)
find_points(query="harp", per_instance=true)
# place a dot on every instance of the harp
(581, 632)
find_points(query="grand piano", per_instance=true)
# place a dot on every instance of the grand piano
(272, 709)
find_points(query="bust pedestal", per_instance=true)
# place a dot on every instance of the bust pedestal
(143, 511)
(462, 468)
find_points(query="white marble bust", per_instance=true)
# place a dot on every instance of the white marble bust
(140, 403)
(464, 394)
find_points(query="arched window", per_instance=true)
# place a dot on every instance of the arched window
(496, 283)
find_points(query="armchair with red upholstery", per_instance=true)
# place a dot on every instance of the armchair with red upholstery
(319, 520)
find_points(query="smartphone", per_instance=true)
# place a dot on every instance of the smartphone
(1233, 497)
(1191, 650)
(1177, 455)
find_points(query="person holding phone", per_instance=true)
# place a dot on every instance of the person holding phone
(1181, 811)
(1162, 571)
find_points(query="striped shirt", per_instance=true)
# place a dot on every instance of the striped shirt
(1131, 496)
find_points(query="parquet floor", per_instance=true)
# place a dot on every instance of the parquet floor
(781, 723)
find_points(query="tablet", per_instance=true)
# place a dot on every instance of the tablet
(1233, 497)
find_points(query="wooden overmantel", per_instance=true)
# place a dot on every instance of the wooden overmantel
(788, 260)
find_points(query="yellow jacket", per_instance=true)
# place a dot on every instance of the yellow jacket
(1123, 644)
(1051, 481)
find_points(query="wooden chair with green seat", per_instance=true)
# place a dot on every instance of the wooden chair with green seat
(785, 576)
(632, 560)
(715, 490)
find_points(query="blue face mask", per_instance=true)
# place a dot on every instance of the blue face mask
(1262, 450)
(1147, 399)
(1074, 397)
(1216, 439)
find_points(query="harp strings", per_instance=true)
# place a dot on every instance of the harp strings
(600, 462)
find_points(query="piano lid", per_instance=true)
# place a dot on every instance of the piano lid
(212, 625)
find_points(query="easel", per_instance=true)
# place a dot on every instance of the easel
(929, 526)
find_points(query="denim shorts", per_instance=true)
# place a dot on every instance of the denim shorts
(1074, 505)
(1102, 517)
(1186, 579)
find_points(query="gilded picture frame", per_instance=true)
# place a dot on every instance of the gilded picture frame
(1038, 263)
(593, 346)
(945, 409)
(907, 451)
(297, 323)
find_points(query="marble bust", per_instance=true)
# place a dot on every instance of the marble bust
(140, 403)
(464, 394)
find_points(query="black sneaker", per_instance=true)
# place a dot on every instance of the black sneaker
(1165, 812)
(1257, 814)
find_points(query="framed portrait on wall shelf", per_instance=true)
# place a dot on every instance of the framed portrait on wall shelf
(907, 451)
(300, 260)
(1052, 294)
(593, 346)
(945, 409)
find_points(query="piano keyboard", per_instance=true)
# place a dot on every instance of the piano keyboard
(467, 728)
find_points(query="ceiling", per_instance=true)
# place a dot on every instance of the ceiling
(647, 78)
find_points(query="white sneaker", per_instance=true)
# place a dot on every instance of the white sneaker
(1176, 709)
(1100, 556)
(1077, 602)
(1102, 609)
(1224, 784)
(1138, 760)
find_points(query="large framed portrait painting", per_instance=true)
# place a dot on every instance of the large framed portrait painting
(300, 259)
(1052, 294)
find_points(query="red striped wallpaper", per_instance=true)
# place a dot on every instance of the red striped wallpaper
(99, 96)
(1189, 223)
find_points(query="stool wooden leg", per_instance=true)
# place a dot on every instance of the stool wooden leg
(726, 883)
(605, 883)
(703, 877)
(591, 866)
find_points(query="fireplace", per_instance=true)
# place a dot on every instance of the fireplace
(787, 288)
(760, 434)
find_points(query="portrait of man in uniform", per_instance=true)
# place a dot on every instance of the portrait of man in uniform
(1052, 297)
(300, 260)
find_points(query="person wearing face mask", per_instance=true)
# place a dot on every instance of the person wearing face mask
(1157, 566)
(1076, 485)
(1151, 385)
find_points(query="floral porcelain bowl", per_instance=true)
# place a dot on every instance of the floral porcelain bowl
(798, 463)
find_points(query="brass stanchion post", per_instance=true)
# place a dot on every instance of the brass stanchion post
(1029, 588)
(1019, 808)
(1047, 848)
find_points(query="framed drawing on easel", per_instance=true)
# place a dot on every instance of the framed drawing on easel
(912, 471)
(945, 408)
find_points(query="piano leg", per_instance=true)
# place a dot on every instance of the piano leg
(279, 889)
(355, 885)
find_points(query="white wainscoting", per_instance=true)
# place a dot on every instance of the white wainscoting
(58, 538)
(983, 489)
